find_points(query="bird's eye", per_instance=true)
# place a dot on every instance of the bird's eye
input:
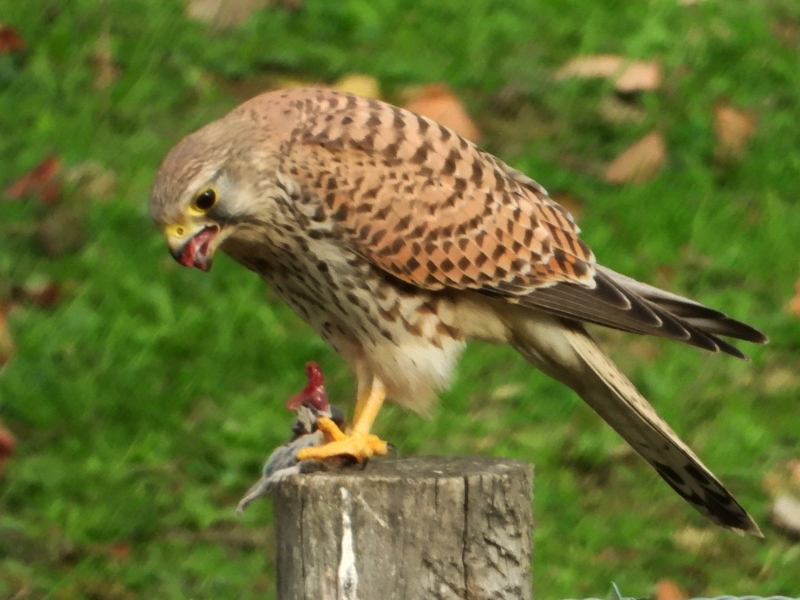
(205, 200)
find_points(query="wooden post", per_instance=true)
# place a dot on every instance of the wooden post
(421, 528)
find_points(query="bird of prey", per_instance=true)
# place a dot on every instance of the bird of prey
(398, 241)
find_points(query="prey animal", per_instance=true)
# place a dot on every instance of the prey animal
(399, 241)
(311, 408)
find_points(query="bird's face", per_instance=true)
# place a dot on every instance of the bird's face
(201, 197)
(195, 221)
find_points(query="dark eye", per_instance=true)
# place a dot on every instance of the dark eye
(206, 200)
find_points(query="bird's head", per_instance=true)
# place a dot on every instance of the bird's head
(206, 189)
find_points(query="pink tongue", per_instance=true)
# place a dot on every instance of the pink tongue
(196, 252)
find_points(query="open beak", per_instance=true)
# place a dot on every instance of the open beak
(196, 251)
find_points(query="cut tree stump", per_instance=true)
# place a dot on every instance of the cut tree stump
(421, 528)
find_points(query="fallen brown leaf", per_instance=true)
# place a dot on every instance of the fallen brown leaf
(120, 551)
(7, 445)
(437, 102)
(223, 14)
(506, 391)
(117, 551)
(43, 294)
(639, 76)
(779, 378)
(360, 85)
(794, 472)
(639, 162)
(10, 39)
(794, 304)
(616, 110)
(788, 32)
(733, 129)
(694, 539)
(105, 68)
(667, 589)
(90, 179)
(41, 182)
(783, 479)
(628, 75)
(6, 342)
(591, 66)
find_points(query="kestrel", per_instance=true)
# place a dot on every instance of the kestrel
(398, 241)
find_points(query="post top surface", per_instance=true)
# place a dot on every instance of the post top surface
(418, 467)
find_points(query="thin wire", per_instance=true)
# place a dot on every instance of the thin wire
(616, 595)
(717, 598)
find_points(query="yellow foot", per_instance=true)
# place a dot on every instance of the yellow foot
(358, 445)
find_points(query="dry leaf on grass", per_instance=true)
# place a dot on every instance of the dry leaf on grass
(10, 39)
(105, 68)
(783, 479)
(667, 589)
(639, 162)
(733, 129)
(223, 14)
(91, 179)
(7, 445)
(360, 85)
(794, 304)
(227, 14)
(437, 102)
(616, 110)
(794, 472)
(41, 182)
(628, 75)
(694, 540)
(506, 391)
(6, 342)
(779, 378)
(787, 32)
(43, 294)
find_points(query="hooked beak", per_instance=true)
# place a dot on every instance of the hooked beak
(193, 249)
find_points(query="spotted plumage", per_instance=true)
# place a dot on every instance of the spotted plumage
(398, 241)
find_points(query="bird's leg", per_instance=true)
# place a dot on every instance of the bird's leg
(358, 442)
(362, 397)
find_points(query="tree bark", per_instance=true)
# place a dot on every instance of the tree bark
(421, 528)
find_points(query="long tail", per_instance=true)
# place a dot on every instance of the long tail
(563, 350)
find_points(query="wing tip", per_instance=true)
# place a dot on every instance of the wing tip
(750, 527)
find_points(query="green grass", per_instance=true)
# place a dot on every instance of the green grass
(146, 400)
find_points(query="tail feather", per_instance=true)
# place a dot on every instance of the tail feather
(707, 320)
(563, 350)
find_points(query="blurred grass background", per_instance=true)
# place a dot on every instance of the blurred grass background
(145, 401)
